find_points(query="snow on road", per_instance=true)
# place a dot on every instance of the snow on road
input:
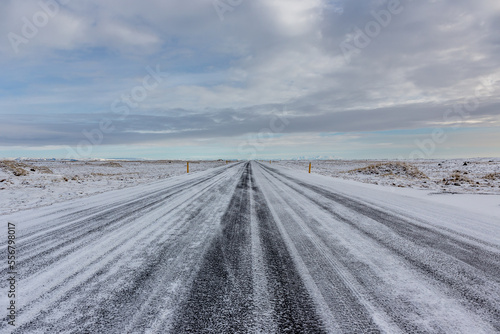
(249, 247)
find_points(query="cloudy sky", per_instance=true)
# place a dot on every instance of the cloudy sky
(250, 78)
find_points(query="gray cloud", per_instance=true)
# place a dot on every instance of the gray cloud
(56, 130)
(227, 78)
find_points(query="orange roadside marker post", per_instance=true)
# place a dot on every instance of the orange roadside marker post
(309, 168)
(187, 166)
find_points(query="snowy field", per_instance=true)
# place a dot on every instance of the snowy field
(461, 176)
(33, 183)
(28, 184)
(255, 247)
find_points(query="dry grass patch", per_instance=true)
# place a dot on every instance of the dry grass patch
(492, 176)
(111, 164)
(391, 169)
(457, 178)
(21, 169)
(16, 168)
(103, 174)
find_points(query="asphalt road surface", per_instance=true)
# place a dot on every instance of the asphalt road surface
(248, 248)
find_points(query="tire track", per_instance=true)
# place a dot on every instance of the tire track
(263, 309)
(221, 295)
(124, 287)
(342, 305)
(69, 239)
(335, 251)
(91, 218)
(221, 298)
(439, 257)
(294, 308)
(475, 256)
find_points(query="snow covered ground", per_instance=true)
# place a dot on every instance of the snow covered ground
(462, 176)
(33, 183)
(471, 184)
(254, 247)
(27, 184)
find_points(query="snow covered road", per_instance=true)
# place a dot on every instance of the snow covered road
(252, 248)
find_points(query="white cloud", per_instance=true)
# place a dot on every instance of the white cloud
(264, 55)
(296, 17)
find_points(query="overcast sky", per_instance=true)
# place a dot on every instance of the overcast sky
(250, 78)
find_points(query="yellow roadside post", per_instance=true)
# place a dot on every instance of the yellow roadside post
(309, 168)
(188, 167)
(269, 161)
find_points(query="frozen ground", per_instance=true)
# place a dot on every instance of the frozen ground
(253, 247)
(461, 176)
(34, 183)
